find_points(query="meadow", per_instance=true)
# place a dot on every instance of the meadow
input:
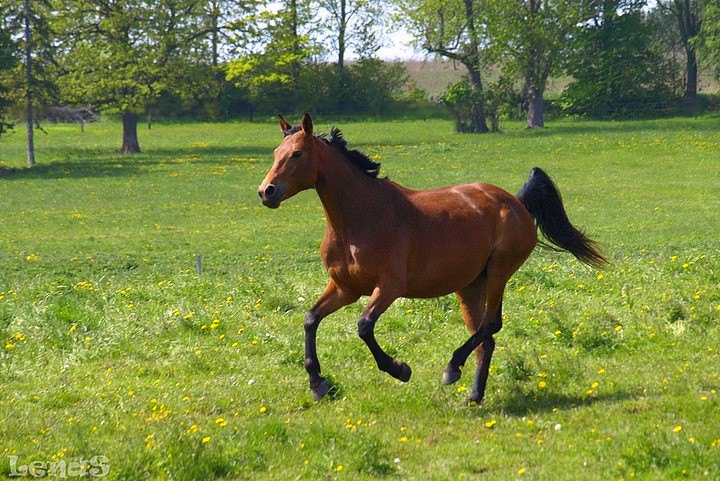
(112, 344)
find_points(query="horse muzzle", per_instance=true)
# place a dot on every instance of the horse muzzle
(271, 195)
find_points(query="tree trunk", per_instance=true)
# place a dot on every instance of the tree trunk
(29, 87)
(130, 137)
(535, 114)
(692, 76)
(478, 118)
(342, 81)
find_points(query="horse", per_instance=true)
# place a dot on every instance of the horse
(386, 241)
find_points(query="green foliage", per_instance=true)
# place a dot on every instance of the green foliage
(43, 72)
(459, 31)
(461, 99)
(614, 68)
(709, 40)
(499, 99)
(373, 84)
(7, 62)
(124, 56)
(531, 38)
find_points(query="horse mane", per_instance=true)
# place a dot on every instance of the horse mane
(357, 158)
(336, 140)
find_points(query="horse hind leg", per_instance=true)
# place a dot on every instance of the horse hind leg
(484, 354)
(481, 305)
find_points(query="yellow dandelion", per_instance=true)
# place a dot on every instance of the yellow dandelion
(206, 439)
(542, 384)
(490, 424)
(521, 471)
(677, 428)
(402, 439)
(263, 410)
(340, 467)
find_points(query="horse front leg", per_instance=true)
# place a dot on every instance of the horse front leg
(332, 299)
(379, 301)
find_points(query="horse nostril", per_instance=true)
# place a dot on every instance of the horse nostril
(270, 190)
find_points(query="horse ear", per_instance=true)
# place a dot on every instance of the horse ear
(307, 124)
(284, 124)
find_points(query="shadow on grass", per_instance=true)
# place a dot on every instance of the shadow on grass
(93, 163)
(561, 127)
(520, 404)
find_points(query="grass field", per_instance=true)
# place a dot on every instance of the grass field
(113, 345)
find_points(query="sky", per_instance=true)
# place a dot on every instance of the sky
(397, 47)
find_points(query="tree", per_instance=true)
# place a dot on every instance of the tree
(614, 68)
(33, 77)
(688, 14)
(710, 36)
(351, 24)
(276, 45)
(7, 62)
(457, 30)
(125, 55)
(531, 37)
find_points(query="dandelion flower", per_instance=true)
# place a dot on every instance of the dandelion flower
(206, 439)
(677, 428)
(263, 410)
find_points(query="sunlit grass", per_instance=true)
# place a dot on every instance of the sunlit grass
(112, 344)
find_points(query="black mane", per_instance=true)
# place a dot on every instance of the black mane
(338, 142)
(357, 158)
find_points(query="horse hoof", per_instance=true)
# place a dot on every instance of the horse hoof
(405, 371)
(475, 399)
(320, 391)
(451, 375)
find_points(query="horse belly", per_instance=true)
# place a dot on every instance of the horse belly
(454, 239)
(446, 264)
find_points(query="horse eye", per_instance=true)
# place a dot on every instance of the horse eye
(297, 154)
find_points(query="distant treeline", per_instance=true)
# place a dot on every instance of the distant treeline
(221, 59)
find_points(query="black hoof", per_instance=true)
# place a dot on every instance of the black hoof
(451, 375)
(320, 391)
(475, 399)
(404, 373)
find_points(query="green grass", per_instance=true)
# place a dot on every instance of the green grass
(112, 344)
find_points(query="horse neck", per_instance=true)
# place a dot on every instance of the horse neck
(352, 200)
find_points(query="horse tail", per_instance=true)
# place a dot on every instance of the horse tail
(542, 199)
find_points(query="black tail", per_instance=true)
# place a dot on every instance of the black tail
(542, 198)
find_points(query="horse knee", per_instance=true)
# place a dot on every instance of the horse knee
(311, 321)
(366, 327)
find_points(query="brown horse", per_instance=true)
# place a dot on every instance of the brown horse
(386, 241)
